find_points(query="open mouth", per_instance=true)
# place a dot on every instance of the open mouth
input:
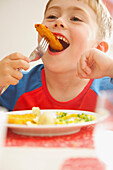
(64, 43)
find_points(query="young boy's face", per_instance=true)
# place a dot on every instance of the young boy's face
(76, 22)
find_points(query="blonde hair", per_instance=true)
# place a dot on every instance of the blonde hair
(104, 18)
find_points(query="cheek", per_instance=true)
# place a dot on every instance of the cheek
(45, 23)
(48, 24)
(80, 43)
(81, 36)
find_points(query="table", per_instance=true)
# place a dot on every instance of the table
(23, 158)
(69, 152)
(82, 139)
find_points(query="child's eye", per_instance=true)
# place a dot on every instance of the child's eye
(51, 17)
(75, 19)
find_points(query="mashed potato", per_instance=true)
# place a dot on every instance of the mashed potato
(49, 118)
(46, 118)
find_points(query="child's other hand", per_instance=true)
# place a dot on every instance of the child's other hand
(9, 73)
(94, 64)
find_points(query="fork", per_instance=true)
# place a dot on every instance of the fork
(36, 54)
(40, 50)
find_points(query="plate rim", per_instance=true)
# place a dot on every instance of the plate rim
(50, 130)
(52, 126)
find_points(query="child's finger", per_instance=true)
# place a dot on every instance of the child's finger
(80, 72)
(87, 70)
(12, 77)
(82, 62)
(84, 66)
(16, 74)
(18, 56)
(9, 80)
(13, 81)
(19, 64)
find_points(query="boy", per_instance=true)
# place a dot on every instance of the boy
(65, 81)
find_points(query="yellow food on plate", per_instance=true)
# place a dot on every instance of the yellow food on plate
(65, 118)
(37, 117)
(24, 118)
(45, 32)
(20, 119)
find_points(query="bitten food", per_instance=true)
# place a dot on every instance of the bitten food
(45, 32)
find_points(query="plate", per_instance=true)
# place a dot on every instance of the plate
(52, 130)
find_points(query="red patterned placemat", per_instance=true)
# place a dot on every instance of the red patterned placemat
(81, 139)
(83, 164)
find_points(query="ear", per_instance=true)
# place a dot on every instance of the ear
(103, 46)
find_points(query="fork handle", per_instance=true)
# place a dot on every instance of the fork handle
(2, 89)
(35, 55)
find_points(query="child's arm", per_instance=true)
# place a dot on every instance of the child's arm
(95, 64)
(9, 73)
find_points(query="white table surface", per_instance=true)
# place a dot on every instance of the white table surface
(18, 158)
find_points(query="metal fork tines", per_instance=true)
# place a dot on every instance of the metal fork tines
(40, 50)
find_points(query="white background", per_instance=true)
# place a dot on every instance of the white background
(17, 20)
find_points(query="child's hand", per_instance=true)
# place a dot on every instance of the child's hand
(9, 73)
(95, 64)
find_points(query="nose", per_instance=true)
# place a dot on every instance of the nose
(59, 24)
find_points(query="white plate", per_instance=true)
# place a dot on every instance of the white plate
(51, 130)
